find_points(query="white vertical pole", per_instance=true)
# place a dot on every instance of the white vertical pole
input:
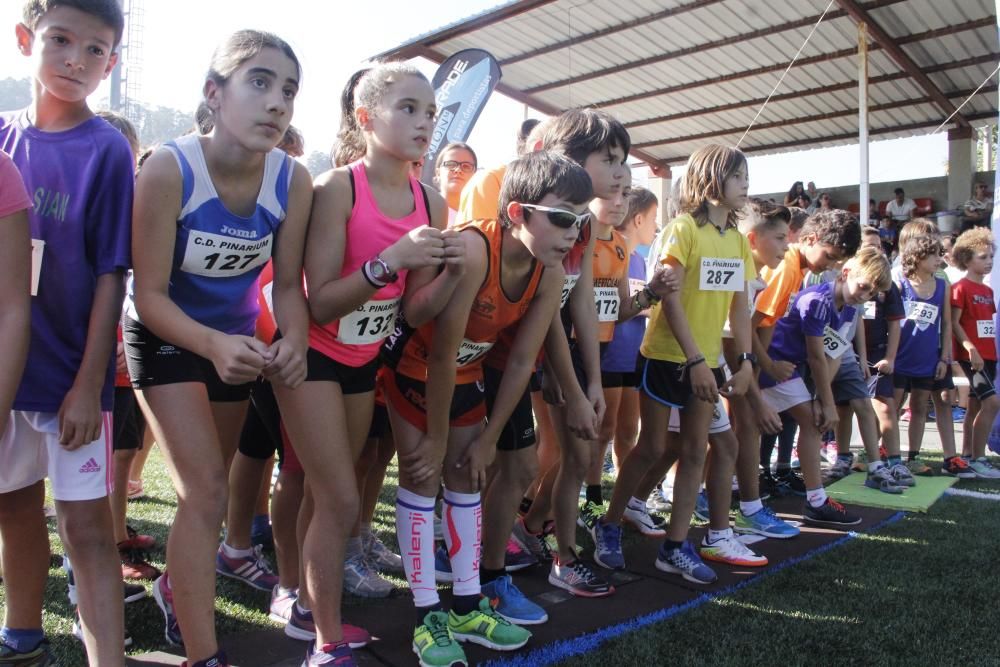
(863, 120)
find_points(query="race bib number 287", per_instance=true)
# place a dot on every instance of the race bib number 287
(721, 275)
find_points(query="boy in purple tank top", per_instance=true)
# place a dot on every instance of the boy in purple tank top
(78, 172)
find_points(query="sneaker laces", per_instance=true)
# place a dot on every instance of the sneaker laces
(611, 537)
(835, 505)
(959, 462)
(259, 560)
(440, 634)
(583, 571)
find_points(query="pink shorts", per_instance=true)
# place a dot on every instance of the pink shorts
(30, 452)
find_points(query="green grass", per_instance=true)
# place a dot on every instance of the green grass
(921, 591)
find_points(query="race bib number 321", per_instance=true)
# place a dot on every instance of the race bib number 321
(219, 256)
(721, 275)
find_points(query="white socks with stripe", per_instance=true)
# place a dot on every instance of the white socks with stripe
(463, 535)
(415, 531)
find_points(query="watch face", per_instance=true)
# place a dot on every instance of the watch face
(378, 270)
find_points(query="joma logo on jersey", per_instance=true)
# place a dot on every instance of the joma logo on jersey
(241, 233)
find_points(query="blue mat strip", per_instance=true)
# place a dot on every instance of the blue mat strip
(567, 648)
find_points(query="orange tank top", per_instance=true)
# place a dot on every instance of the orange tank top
(610, 268)
(493, 310)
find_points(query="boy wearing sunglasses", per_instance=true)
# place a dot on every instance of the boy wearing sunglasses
(435, 388)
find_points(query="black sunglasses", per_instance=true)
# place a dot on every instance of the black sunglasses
(561, 218)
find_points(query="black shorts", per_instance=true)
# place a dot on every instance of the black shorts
(153, 362)
(519, 431)
(129, 422)
(535, 382)
(352, 379)
(909, 383)
(380, 423)
(261, 434)
(616, 380)
(661, 381)
(981, 382)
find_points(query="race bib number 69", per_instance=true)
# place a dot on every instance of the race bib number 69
(833, 343)
(218, 256)
(721, 275)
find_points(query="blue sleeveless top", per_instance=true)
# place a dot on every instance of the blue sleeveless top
(219, 255)
(920, 336)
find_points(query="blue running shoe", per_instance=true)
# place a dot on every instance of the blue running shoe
(508, 601)
(765, 522)
(442, 566)
(339, 655)
(607, 545)
(686, 562)
(165, 601)
(701, 506)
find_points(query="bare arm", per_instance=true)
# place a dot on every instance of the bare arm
(822, 377)
(581, 418)
(80, 412)
(531, 333)
(15, 316)
(583, 312)
(291, 312)
(428, 289)
(449, 328)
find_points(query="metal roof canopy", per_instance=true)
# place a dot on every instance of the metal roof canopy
(682, 73)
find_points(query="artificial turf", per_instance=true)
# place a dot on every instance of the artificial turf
(919, 591)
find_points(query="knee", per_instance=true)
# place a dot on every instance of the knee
(525, 473)
(207, 498)
(87, 529)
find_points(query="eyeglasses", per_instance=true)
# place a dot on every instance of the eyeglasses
(560, 217)
(455, 165)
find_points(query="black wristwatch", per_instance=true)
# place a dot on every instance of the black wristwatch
(748, 356)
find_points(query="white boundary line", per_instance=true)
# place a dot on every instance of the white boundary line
(979, 495)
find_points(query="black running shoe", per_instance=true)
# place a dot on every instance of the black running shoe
(830, 514)
(791, 481)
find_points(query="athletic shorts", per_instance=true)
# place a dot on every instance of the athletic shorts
(261, 434)
(787, 394)
(352, 379)
(30, 452)
(981, 382)
(720, 420)
(883, 386)
(661, 381)
(380, 423)
(909, 383)
(616, 380)
(408, 398)
(153, 362)
(129, 422)
(519, 431)
(849, 383)
(535, 382)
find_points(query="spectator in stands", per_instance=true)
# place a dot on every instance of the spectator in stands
(901, 209)
(977, 211)
(822, 203)
(804, 202)
(794, 192)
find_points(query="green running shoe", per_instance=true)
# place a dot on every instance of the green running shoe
(486, 627)
(434, 644)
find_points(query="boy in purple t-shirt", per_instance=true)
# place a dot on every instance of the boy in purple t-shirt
(813, 333)
(78, 173)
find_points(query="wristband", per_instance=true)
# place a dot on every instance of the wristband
(650, 295)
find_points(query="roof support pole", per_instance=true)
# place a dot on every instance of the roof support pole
(863, 195)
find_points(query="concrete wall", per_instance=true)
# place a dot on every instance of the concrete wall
(936, 188)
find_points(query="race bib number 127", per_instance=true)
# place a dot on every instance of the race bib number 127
(218, 256)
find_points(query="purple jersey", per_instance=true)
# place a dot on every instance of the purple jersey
(811, 312)
(920, 334)
(623, 350)
(80, 182)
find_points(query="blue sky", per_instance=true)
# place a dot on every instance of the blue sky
(333, 39)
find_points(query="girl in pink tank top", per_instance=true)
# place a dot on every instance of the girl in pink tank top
(374, 234)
